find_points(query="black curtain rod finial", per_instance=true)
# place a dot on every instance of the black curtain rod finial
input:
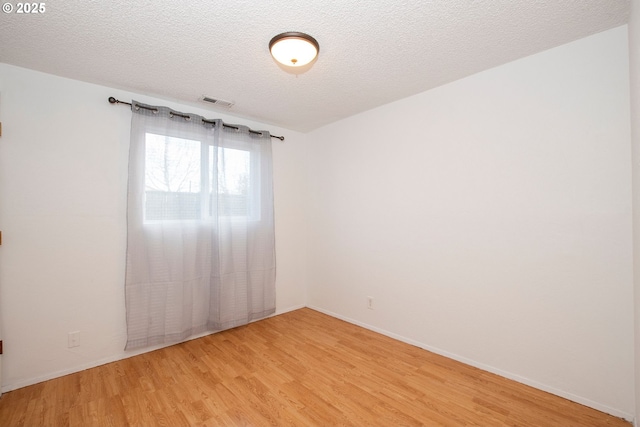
(112, 100)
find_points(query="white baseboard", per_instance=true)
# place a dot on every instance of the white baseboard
(51, 375)
(505, 374)
(286, 310)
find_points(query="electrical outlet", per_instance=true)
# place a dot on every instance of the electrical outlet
(370, 303)
(74, 339)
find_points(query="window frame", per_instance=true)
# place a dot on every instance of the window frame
(205, 215)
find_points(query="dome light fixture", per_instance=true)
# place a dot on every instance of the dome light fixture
(294, 49)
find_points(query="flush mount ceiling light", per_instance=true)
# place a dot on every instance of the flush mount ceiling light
(294, 49)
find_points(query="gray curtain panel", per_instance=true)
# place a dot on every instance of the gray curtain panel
(200, 243)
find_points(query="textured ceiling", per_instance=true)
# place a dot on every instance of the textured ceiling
(371, 53)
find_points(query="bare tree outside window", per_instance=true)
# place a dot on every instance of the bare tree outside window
(174, 179)
(232, 186)
(172, 164)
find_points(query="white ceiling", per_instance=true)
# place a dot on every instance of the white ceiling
(371, 53)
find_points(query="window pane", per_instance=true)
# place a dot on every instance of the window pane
(172, 178)
(233, 182)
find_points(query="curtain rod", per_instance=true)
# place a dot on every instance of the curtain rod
(112, 100)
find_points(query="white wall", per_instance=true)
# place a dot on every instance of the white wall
(634, 73)
(63, 171)
(490, 220)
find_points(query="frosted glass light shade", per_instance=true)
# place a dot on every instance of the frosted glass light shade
(294, 49)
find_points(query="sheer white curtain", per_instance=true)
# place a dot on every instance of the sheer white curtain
(200, 243)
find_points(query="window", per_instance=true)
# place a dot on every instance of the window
(181, 182)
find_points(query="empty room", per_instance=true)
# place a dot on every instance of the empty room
(296, 213)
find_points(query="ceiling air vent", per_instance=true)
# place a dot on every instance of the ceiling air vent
(217, 102)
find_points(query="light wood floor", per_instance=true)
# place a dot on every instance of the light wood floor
(302, 369)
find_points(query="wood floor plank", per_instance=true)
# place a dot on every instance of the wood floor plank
(301, 368)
